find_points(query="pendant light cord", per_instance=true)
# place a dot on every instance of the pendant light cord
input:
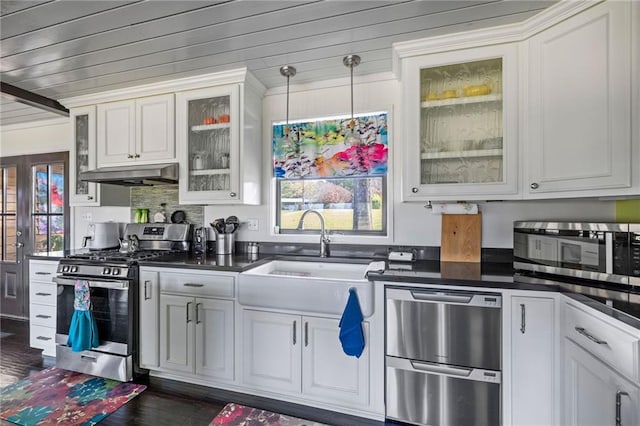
(287, 125)
(351, 67)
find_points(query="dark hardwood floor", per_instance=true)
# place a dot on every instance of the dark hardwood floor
(164, 402)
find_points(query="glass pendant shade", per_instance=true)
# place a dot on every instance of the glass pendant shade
(286, 143)
(351, 137)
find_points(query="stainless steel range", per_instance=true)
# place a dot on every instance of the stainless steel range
(112, 276)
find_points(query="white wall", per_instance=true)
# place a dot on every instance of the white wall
(410, 223)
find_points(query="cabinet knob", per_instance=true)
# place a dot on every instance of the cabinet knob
(90, 197)
(136, 156)
(232, 194)
(129, 156)
(414, 190)
(534, 186)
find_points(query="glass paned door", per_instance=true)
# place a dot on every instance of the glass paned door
(461, 134)
(82, 152)
(209, 144)
(34, 218)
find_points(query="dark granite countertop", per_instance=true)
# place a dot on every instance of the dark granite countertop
(228, 262)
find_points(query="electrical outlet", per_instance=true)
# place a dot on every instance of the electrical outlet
(87, 217)
(252, 224)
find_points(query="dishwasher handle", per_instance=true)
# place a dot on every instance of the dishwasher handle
(487, 300)
(424, 367)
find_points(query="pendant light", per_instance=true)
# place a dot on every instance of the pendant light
(286, 144)
(352, 137)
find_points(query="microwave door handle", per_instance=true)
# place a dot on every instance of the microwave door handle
(608, 246)
(113, 285)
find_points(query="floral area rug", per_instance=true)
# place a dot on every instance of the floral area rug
(60, 397)
(241, 415)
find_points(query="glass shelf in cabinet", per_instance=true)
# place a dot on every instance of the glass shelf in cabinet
(206, 127)
(462, 101)
(461, 154)
(209, 172)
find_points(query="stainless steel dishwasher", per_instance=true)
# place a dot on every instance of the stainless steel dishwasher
(443, 356)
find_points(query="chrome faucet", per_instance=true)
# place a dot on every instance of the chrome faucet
(324, 239)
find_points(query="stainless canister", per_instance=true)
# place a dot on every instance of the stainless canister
(225, 243)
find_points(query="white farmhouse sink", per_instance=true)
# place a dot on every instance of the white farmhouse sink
(306, 286)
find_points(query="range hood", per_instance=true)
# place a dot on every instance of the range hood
(140, 175)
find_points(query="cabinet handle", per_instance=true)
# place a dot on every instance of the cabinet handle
(198, 313)
(294, 333)
(136, 156)
(188, 319)
(414, 190)
(43, 294)
(590, 336)
(232, 194)
(193, 285)
(534, 185)
(43, 316)
(43, 338)
(43, 273)
(145, 290)
(306, 334)
(90, 197)
(619, 406)
(129, 156)
(522, 318)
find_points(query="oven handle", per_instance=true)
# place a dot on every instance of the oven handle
(114, 285)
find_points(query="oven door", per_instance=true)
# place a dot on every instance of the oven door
(111, 305)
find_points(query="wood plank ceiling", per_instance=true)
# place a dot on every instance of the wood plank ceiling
(61, 49)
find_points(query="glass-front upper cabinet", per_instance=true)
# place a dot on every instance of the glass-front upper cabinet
(208, 144)
(83, 156)
(461, 132)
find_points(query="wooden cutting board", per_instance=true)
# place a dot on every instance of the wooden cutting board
(461, 239)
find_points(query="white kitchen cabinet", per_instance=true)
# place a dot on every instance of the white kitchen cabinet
(149, 319)
(302, 355)
(578, 110)
(594, 393)
(461, 123)
(219, 143)
(534, 400)
(196, 336)
(42, 305)
(136, 131)
(196, 322)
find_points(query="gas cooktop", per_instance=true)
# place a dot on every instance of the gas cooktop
(118, 256)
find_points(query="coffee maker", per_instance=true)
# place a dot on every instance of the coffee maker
(199, 245)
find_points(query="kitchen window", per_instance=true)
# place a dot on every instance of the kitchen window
(316, 170)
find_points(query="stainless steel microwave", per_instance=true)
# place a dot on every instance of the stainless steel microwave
(596, 251)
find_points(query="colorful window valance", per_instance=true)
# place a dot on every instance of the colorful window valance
(317, 148)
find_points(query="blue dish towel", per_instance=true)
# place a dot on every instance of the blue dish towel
(351, 334)
(83, 331)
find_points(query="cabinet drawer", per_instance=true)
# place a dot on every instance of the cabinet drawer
(608, 342)
(42, 270)
(44, 315)
(42, 294)
(198, 284)
(42, 337)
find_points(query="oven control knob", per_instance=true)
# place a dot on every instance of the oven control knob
(106, 271)
(65, 268)
(74, 269)
(115, 271)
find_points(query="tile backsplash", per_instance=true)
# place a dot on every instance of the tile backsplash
(150, 197)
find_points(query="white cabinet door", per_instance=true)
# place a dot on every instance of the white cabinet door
(82, 156)
(116, 133)
(177, 324)
(533, 346)
(155, 134)
(594, 392)
(462, 124)
(208, 137)
(579, 107)
(327, 372)
(214, 338)
(149, 326)
(272, 351)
